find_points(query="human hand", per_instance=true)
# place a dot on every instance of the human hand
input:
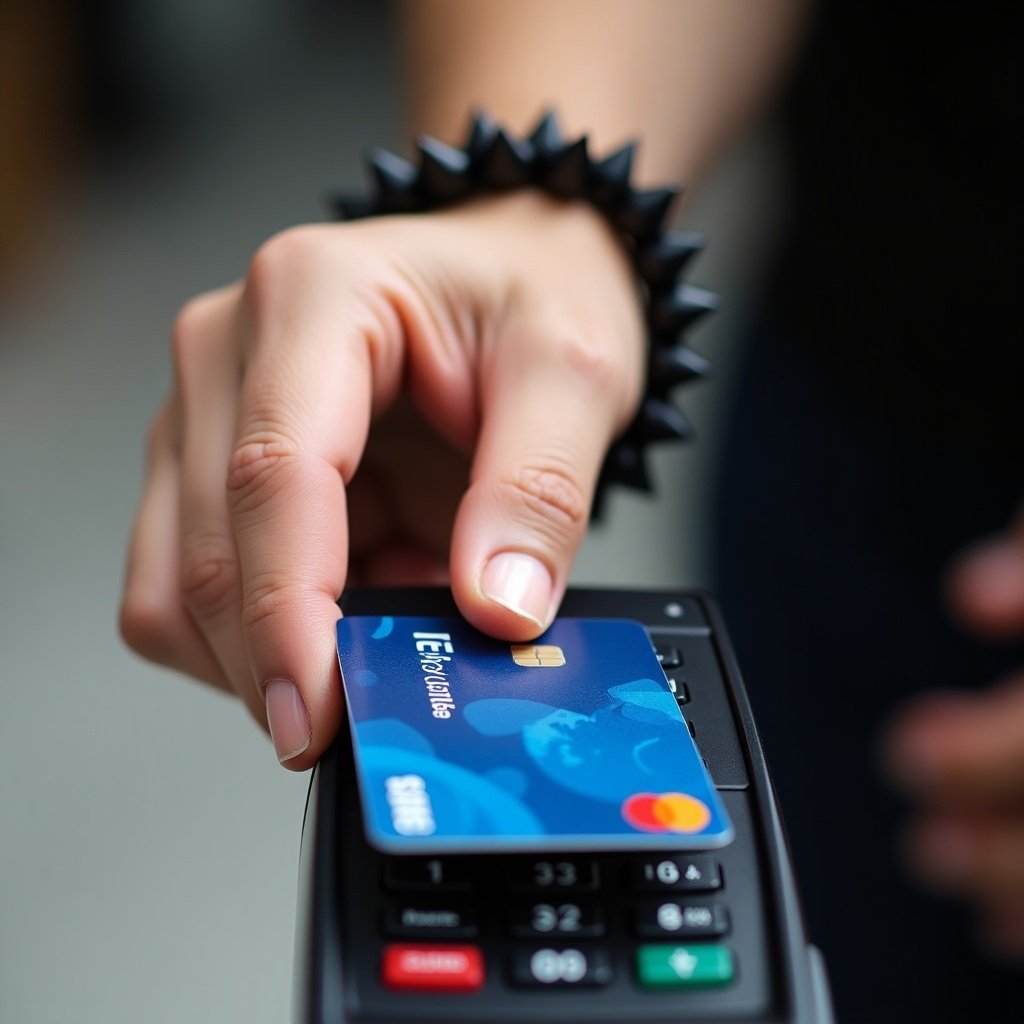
(960, 757)
(498, 348)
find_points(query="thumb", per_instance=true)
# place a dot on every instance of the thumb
(553, 395)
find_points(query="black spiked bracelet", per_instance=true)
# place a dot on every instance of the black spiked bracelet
(494, 161)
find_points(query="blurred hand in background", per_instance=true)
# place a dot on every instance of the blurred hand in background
(959, 757)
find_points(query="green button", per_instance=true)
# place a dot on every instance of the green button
(664, 966)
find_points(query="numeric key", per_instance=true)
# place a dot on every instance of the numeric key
(433, 874)
(566, 918)
(561, 967)
(664, 919)
(559, 874)
(675, 873)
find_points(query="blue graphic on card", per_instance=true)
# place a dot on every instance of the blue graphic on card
(465, 743)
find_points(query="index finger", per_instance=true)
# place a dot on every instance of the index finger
(304, 414)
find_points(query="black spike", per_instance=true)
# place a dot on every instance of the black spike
(610, 176)
(351, 207)
(662, 421)
(661, 262)
(680, 308)
(568, 173)
(679, 365)
(508, 164)
(482, 131)
(493, 159)
(640, 212)
(444, 171)
(396, 182)
(625, 464)
(546, 137)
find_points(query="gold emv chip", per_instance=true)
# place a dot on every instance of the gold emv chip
(538, 655)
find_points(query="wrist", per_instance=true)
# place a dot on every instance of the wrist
(493, 162)
(568, 238)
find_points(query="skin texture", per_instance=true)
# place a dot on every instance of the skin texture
(254, 507)
(495, 371)
(415, 399)
(681, 75)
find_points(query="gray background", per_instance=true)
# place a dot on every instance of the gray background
(148, 838)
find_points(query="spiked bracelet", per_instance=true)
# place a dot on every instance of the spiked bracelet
(494, 161)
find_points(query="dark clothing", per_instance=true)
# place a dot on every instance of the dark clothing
(902, 274)
(877, 430)
(834, 534)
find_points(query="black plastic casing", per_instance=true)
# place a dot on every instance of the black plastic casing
(780, 977)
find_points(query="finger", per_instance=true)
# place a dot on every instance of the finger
(303, 417)
(962, 747)
(153, 619)
(986, 586)
(207, 369)
(553, 397)
(978, 854)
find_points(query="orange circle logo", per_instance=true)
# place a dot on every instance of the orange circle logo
(666, 812)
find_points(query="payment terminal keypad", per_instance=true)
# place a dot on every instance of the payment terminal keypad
(712, 935)
(548, 922)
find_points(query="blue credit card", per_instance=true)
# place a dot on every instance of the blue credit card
(465, 743)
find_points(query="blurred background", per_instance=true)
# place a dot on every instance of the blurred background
(148, 838)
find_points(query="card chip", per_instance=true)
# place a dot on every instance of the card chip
(538, 655)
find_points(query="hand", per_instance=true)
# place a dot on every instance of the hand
(497, 347)
(961, 757)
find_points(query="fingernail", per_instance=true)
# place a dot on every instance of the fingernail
(286, 715)
(519, 583)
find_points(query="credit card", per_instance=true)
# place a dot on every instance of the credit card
(464, 743)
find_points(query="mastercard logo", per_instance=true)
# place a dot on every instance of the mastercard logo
(666, 812)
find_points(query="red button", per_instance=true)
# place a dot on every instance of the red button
(433, 968)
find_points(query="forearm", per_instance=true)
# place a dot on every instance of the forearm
(682, 75)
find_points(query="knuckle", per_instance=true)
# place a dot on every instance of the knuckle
(142, 623)
(550, 498)
(189, 330)
(259, 469)
(289, 255)
(266, 601)
(208, 577)
(596, 366)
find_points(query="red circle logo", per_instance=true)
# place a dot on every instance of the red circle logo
(666, 812)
